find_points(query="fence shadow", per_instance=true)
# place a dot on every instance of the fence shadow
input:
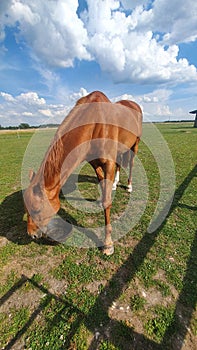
(98, 318)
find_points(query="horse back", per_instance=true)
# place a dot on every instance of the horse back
(130, 104)
(95, 96)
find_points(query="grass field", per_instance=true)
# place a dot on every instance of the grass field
(59, 296)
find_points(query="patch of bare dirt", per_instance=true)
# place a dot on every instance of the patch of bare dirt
(18, 299)
(29, 266)
(95, 287)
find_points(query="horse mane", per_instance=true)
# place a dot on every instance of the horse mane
(53, 160)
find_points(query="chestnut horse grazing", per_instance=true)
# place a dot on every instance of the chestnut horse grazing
(95, 130)
(134, 149)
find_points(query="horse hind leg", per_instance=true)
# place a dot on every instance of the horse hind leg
(129, 185)
(133, 152)
(117, 178)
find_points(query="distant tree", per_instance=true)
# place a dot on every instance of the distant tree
(24, 126)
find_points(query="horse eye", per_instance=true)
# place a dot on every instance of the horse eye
(35, 212)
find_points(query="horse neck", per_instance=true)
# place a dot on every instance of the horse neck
(58, 164)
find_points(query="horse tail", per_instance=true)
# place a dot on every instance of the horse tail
(127, 155)
(135, 146)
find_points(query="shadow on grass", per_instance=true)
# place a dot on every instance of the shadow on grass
(14, 228)
(116, 332)
(12, 225)
(73, 180)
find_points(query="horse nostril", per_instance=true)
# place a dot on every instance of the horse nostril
(35, 235)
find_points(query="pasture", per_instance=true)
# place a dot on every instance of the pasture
(62, 296)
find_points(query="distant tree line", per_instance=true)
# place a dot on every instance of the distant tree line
(23, 126)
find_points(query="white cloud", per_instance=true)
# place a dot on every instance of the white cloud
(123, 97)
(31, 98)
(159, 95)
(51, 29)
(126, 46)
(45, 112)
(131, 45)
(157, 105)
(27, 114)
(177, 19)
(73, 97)
(7, 97)
(32, 109)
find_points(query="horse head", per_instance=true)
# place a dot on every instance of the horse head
(38, 212)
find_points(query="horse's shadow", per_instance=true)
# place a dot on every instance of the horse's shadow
(13, 225)
(72, 182)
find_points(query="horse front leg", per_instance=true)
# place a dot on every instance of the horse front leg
(108, 248)
(99, 173)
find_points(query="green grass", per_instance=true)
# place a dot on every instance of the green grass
(162, 319)
(12, 323)
(71, 290)
(137, 302)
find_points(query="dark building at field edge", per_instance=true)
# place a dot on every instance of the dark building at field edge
(195, 121)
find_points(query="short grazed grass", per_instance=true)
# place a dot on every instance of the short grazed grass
(60, 296)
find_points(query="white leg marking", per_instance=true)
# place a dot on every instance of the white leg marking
(116, 180)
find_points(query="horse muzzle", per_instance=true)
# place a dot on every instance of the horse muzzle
(39, 233)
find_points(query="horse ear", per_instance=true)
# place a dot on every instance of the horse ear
(31, 174)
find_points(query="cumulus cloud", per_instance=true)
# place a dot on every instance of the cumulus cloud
(51, 29)
(133, 41)
(156, 105)
(176, 19)
(31, 98)
(159, 105)
(127, 46)
(7, 97)
(32, 109)
(130, 40)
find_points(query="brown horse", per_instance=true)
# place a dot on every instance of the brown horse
(134, 149)
(95, 130)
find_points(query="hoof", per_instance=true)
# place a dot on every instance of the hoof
(114, 186)
(108, 250)
(129, 188)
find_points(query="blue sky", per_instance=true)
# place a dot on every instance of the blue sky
(53, 52)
